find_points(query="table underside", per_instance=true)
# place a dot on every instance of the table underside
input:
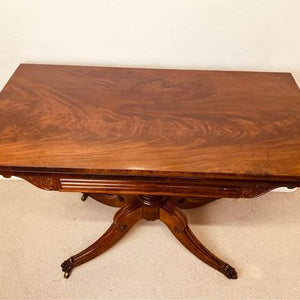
(149, 198)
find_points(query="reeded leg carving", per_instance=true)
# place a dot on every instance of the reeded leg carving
(177, 223)
(124, 219)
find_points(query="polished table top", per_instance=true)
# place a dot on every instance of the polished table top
(130, 121)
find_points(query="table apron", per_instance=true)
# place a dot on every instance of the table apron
(193, 187)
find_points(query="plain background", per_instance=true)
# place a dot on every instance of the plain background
(195, 34)
(261, 35)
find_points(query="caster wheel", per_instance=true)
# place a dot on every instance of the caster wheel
(84, 197)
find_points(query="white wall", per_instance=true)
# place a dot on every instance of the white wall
(197, 34)
(200, 34)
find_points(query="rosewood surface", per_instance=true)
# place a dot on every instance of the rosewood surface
(150, 141)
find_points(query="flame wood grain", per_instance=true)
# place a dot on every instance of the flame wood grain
(127, 121)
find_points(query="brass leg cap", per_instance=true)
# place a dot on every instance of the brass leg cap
(67, 267)
(230, 272)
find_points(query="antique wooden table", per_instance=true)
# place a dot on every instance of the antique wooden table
(150, 141)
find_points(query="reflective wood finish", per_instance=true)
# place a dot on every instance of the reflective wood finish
(150, 141)
(127, 121)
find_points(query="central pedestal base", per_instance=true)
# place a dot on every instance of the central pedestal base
(148, 207)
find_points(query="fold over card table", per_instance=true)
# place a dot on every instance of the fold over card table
(152, 142)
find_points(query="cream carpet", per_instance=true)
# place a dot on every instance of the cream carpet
(39, 229)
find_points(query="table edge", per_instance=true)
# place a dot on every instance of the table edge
(127, 173)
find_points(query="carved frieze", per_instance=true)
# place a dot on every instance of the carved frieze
(45, 182)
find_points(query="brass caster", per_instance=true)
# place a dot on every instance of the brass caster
(230, 272)
(67, 267)
(84, 196)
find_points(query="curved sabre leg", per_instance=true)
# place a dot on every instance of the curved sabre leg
(177, 223)
(124, 219)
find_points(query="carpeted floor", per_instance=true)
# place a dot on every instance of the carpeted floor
(39, 229)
